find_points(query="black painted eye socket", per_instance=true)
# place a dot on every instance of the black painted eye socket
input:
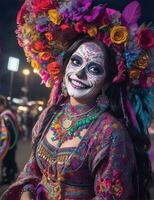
(76, 60)
(95, 69)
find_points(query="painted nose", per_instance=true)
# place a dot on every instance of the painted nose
(81, 74)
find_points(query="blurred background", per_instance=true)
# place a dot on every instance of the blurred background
(23, 87)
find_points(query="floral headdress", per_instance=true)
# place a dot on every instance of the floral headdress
(46, 28)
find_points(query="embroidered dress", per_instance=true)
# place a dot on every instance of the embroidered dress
(102, 166)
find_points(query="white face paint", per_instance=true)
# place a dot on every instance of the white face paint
(85, 71)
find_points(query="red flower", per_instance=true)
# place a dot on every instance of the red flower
(146, 38)
(20, 16)
(80, 27)
(39, 45)
(53, 68)
(49, 36)
(64, 26)
(42, 5)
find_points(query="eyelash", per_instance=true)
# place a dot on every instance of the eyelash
(96, 70)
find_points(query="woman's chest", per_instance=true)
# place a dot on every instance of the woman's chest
(69, 162)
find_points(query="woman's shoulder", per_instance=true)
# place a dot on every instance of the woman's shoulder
(43, 118)
(111, 128)
(110, 121)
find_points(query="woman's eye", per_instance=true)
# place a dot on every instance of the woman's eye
(75, 61)
(95, 70)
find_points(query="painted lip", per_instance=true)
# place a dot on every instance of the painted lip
(78, 84)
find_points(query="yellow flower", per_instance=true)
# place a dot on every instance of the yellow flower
(28, 31)
(54, 16)
(119, 34)
(134, 73)
(143, 61)
(35, 64)
(92, 31)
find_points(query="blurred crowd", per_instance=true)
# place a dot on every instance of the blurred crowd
(16, 123)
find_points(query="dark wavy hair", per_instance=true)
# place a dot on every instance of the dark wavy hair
(143, 177)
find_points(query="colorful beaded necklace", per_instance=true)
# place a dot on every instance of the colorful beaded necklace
(65, 126)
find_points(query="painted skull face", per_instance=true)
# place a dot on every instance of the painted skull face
(85, 71)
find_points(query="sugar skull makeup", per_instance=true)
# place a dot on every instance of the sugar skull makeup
(85, 71)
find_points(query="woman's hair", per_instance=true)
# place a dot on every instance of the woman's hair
(143, 175)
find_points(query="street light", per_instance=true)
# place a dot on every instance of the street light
(13, 66)
(26, 73)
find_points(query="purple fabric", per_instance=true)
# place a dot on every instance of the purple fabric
(40, 192)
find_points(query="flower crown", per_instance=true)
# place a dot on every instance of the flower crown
(47, 27)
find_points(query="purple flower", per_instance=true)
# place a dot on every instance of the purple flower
(41, 28)
(93, 14)
(79, 9)
(83, 7)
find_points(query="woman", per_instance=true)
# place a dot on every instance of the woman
(91, 141)
(8, 142)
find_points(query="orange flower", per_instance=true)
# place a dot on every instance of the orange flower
(45, 56)
(143, 61)
(56, 126)
(134, 73)
(35, 65)
(53, 68)
(49, 36)
(92, 31)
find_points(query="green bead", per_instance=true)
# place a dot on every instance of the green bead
(72, 130)
(80, 123)
(87, 121)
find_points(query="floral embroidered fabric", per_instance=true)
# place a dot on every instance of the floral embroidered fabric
(101, 167)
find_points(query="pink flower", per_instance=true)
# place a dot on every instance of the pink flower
(44, 75)
(107, 40)
(20, 16)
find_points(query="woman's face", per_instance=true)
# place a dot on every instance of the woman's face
(85, 71)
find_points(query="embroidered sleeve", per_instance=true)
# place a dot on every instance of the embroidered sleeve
(113, 165)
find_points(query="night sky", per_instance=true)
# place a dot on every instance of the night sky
(9, 46)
